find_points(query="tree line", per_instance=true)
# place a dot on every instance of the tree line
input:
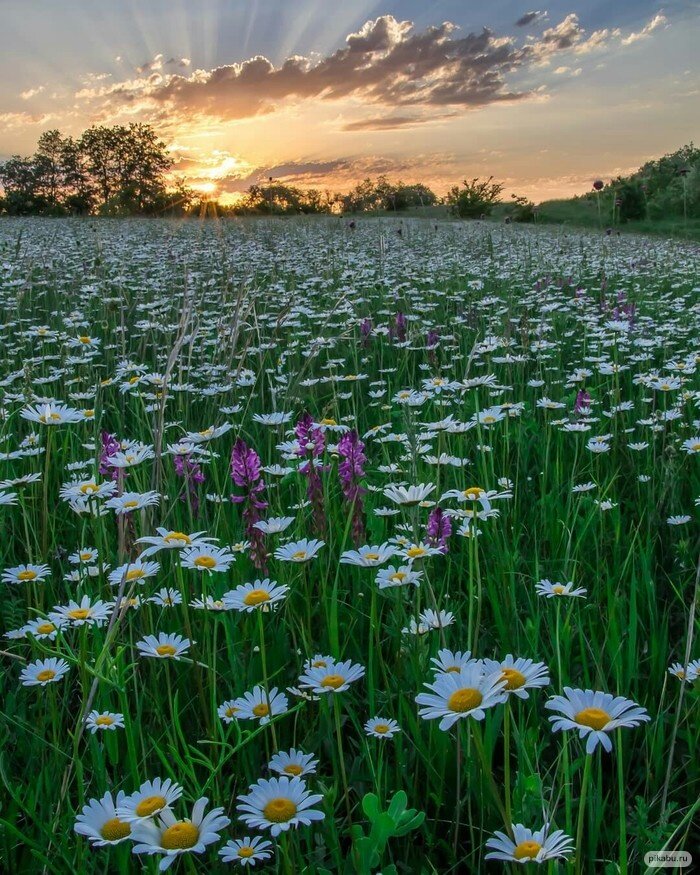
(127, 170)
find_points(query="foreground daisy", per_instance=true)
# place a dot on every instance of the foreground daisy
(262, 594)
(43, 671)
(99, 821)
(334, 677)
(382, 727)
(25, 574)
(205, 557)
(298, 551)
(294, 763)
(164, 646)
(135, 572)
(246, 851)
(411, 496)
(260, 705)
(465, 694)
(278, 804)
(528, 846)
(170, 540)
(594, 714)
(152, 798)
(401, 576)
(172, 837)
(97, 721)
(368, 557)
(519, 674)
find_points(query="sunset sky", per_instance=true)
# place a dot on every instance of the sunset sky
(320, 93)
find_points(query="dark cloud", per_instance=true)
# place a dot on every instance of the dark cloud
(393, 122)
(529, 18)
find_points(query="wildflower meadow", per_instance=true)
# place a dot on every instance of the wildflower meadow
(336, 547)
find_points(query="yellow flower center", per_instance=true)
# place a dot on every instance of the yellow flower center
(135, 574)
(293, 769)
(85, 556)
(104, 720)
(27, 574)
(46, 675)
(261, 710)
(415, 552)
(89, 488)
(246, 851)
(399, 576)
(527, 849)
(319, 663)
(695, 447)
(455, 669)
(180, 835)
(279, 810)
(300, 554)
(333, 680)
(177, 536)
(79, 614)
(88, 413)
(205, 562)
(84, 339)
(473, 493)
(46, 628)
(256, 597)
(230, 711)
(514, 679)
(372, 556)
(328, 422)
(464, 700)
(488, 420)
(596, 718)
(150, 805)
(166, 650)
(131, 504)
(115, 829)
(558, 589)
(381, 728)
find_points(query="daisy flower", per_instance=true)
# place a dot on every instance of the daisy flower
(368, 557)
(44, 628)
(456, 696)
(528, 846)
(7, 498)
(246, 851)
(449, 662)
(51, 414)
(416, 552)
(409, 497)
(260, 705)
(170, 540)
(227, 711)
(519, 674)
(382, 727)
(166, 598)
(83, 613)
(688, 674)
(43, 671)
(594, 714)
(25, 574)
(550, 590)
(164, 646)
(98, 821)
(152, 798)
(207, 558)
(173, 837)
(274, 525)
(262, 594)
(293, 763)
(299, 551)
(401, 576)
(131, 501)
(278, 804)
(335, 677)
(103, 720)
(137, 571)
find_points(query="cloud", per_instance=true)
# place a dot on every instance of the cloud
(32, 92)
(530, 18)
(386, 63)
(657, 21)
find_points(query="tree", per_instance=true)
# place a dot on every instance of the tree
(474, 197)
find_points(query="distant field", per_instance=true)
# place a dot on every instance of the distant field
(343, 550)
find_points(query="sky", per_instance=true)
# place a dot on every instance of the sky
(316, 93)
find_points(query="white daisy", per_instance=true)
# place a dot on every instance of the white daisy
(260, 705)
(99, 822)
(334, 677)
(594, 714)
(550, 590)
(150, 799)
(299, 551)
(103, 720)
(382, 727)
(368, 557)
(43, 671)
(137, 571)
(404, 575)
(246, 851)
(293, 763)
(206, 557)
(278, 804)
(170, 540)
(519, 674)
(458, 695)
(261, 594)
(528, 846)
(164, 646)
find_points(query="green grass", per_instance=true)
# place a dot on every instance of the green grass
(210, 323)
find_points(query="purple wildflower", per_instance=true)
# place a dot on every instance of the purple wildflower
(246, 473)
(193, 475)
(110, 447)
(312, 442)
(439, 529)
(351, 470)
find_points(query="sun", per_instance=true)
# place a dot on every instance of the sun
(205, 187)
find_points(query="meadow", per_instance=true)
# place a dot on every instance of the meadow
(339, 549)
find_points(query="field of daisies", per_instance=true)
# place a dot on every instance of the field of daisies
(332, 548)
